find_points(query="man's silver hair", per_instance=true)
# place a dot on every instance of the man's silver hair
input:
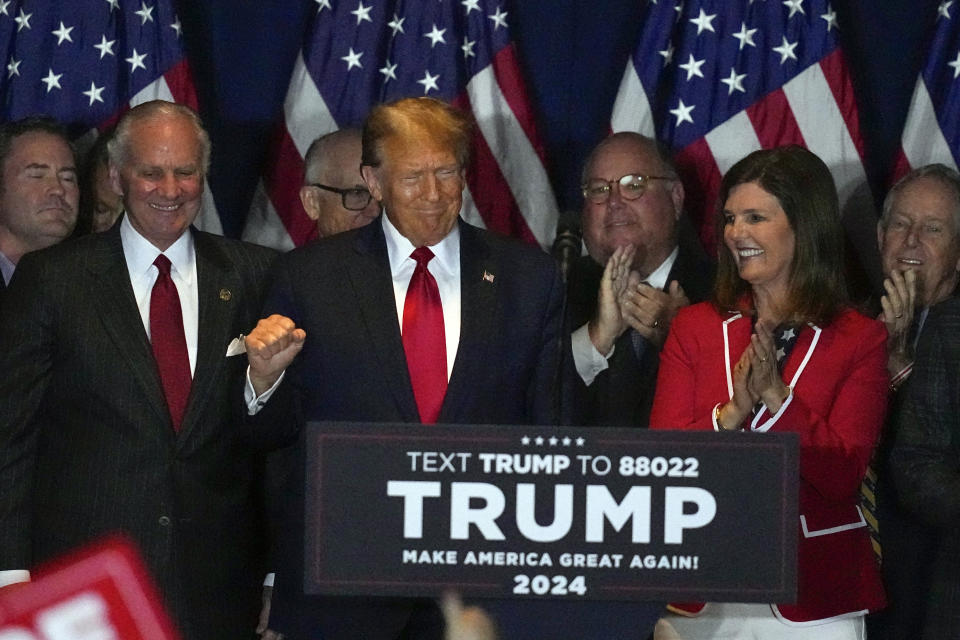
(118, 149)
(941, 173)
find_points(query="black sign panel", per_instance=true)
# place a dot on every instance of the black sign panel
(606, 514)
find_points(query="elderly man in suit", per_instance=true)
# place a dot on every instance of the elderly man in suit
(919, 239)
(632, 198)
(38, 189)
(116, 403)
(417, 317)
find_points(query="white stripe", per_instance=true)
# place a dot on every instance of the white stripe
(732, 140)
(469, 211)
(156, 90)
(519, 163)
(631, 111)
(208, 219)
(923, 140)
(263, 226)
(824, 129)
(306, 113)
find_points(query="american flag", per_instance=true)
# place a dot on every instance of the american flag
(85, 62)
(359, 53)
(932, 130)
(716, 80)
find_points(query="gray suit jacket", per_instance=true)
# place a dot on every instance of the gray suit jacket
(925, 460)
(86, 442)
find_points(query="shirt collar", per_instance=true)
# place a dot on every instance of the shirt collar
(6, 268)
(140, 252)
(658, 279)
(399, 248)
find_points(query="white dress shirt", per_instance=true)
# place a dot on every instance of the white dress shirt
(6, 268)
(590, 362)
(140, 254)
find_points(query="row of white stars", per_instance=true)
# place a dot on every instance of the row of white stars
(53, 79)
(552, 441)
(63, 33)
(362, 12)
(745, 36)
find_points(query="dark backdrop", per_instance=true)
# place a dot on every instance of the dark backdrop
(574, 53)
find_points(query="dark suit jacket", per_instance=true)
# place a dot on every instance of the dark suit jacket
(86, 442)
(353, 368)
(925, 460)
(622, 395)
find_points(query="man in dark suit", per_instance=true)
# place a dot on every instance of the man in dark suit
(38, 189)
(925, 469)
(633, 199)
(919, 240)
(117, 399)
(338, 346)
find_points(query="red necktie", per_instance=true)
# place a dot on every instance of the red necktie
(168, 342)
(423, 339)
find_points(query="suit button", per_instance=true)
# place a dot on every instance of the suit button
(164, 521)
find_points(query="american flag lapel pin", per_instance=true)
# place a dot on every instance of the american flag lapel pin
(488, 276)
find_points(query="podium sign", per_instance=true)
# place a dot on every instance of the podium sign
(536, 512)
(99, 593)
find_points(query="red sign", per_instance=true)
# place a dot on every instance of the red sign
(101, 593)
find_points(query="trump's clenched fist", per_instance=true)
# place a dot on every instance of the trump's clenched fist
(271, 347)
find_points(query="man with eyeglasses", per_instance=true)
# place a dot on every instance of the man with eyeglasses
(333, 193)
(633, 201)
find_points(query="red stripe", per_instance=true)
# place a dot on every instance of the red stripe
(773, 121)
(282, 180)
(507, 71)
(490, 190)
(834, 68)
(701, 177)
(180, 81)
(901, 166)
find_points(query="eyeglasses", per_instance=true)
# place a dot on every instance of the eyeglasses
(632, 187)
(353, 199)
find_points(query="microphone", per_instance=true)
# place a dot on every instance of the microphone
(566, 247)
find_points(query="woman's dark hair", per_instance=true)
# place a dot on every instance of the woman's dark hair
(805, 189)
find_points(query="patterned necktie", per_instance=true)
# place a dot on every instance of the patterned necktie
(424, 342)
(168, 342)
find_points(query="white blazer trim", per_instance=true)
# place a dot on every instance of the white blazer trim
(807, 533)
(726, 353)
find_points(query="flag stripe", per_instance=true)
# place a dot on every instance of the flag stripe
(305, 111)
(732, 140)
(774, 121)
(631, 110)
(923, 140)
(506, 140)
(837, 75)
(824, 129)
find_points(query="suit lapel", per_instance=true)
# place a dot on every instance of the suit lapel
(369, 275)
(478, 310)
(121, 318)
(218, 290)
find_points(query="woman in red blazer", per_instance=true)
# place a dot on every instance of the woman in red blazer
(779, 350)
